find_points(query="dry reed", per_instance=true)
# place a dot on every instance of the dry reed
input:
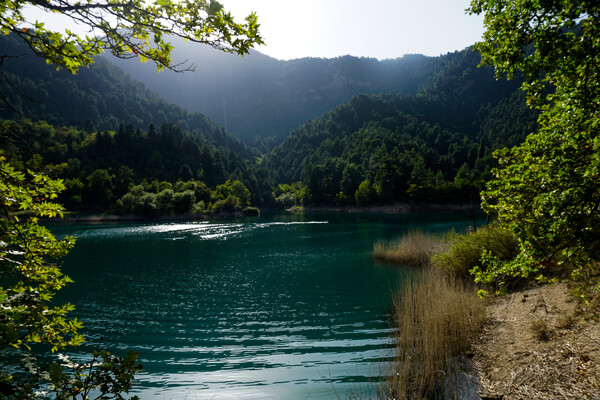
(438, 316)
(414, 248)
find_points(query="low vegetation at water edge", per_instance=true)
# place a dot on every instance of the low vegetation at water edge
(415, 248)
(438, 315)
(464, 251)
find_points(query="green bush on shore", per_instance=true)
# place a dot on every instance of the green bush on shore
(465, 251)
(192, 197)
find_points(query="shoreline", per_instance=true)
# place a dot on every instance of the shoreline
(69, 218)
(396, 208)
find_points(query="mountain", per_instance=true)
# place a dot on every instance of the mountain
(429, 136)
(434, 145)
(257, 96)
(103, 133)
(100, 97)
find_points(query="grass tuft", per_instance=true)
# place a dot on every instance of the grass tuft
(438, 317)
(414, 249)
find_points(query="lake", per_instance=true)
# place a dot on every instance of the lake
(280, 306)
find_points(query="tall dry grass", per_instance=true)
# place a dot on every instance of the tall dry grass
(415, 248)
(438, 316)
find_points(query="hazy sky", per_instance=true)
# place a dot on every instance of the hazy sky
(366, 28)
(369, 28)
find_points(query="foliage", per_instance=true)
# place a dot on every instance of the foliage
(251, 211)
(230, 204)
(547, 189)
(108, 379)
(433, 147)
(396, 148)
(233, 188)
(29, 280)
(465, 251)
(295, 91)
(290, 92)
(365, 193)
(190, 197)
(286, 195)
(99, 168)
(127, 30)
(97, 98)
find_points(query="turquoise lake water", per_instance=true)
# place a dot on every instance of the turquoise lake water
(286, 306)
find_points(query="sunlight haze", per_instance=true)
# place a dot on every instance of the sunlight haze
(377, 28)
(331, 28)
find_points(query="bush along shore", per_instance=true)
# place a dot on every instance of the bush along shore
(528, 340)
(163, 201)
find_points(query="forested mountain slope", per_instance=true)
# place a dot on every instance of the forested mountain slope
(433, 143)
(258, 96)
(436, 144)
(104, 134)
(100, 97)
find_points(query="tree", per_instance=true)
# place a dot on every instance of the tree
(365, 194)
(547, 188)
(128, 29)
(29, 280)
(28, 251)
(233, 188)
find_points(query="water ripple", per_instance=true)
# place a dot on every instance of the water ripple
(245, 310)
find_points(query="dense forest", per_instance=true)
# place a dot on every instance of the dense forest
(437, 144)
(100, 168)
(120, 148)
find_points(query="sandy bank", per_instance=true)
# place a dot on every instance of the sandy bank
(535, 346)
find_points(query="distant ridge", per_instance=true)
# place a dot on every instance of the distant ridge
(258, 96)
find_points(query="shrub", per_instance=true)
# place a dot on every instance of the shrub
(125, 204)
(230, 204)
(184, 201)
(235, 188)
(165, 200)
(146, 205)
(252, 211)
(199, 208)
(365, 194)
(199, 188)
(286, 200)
(465, 251)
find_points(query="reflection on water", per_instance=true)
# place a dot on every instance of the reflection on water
(286, 306)
(174, 231)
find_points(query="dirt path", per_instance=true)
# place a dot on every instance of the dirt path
(535, 347)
